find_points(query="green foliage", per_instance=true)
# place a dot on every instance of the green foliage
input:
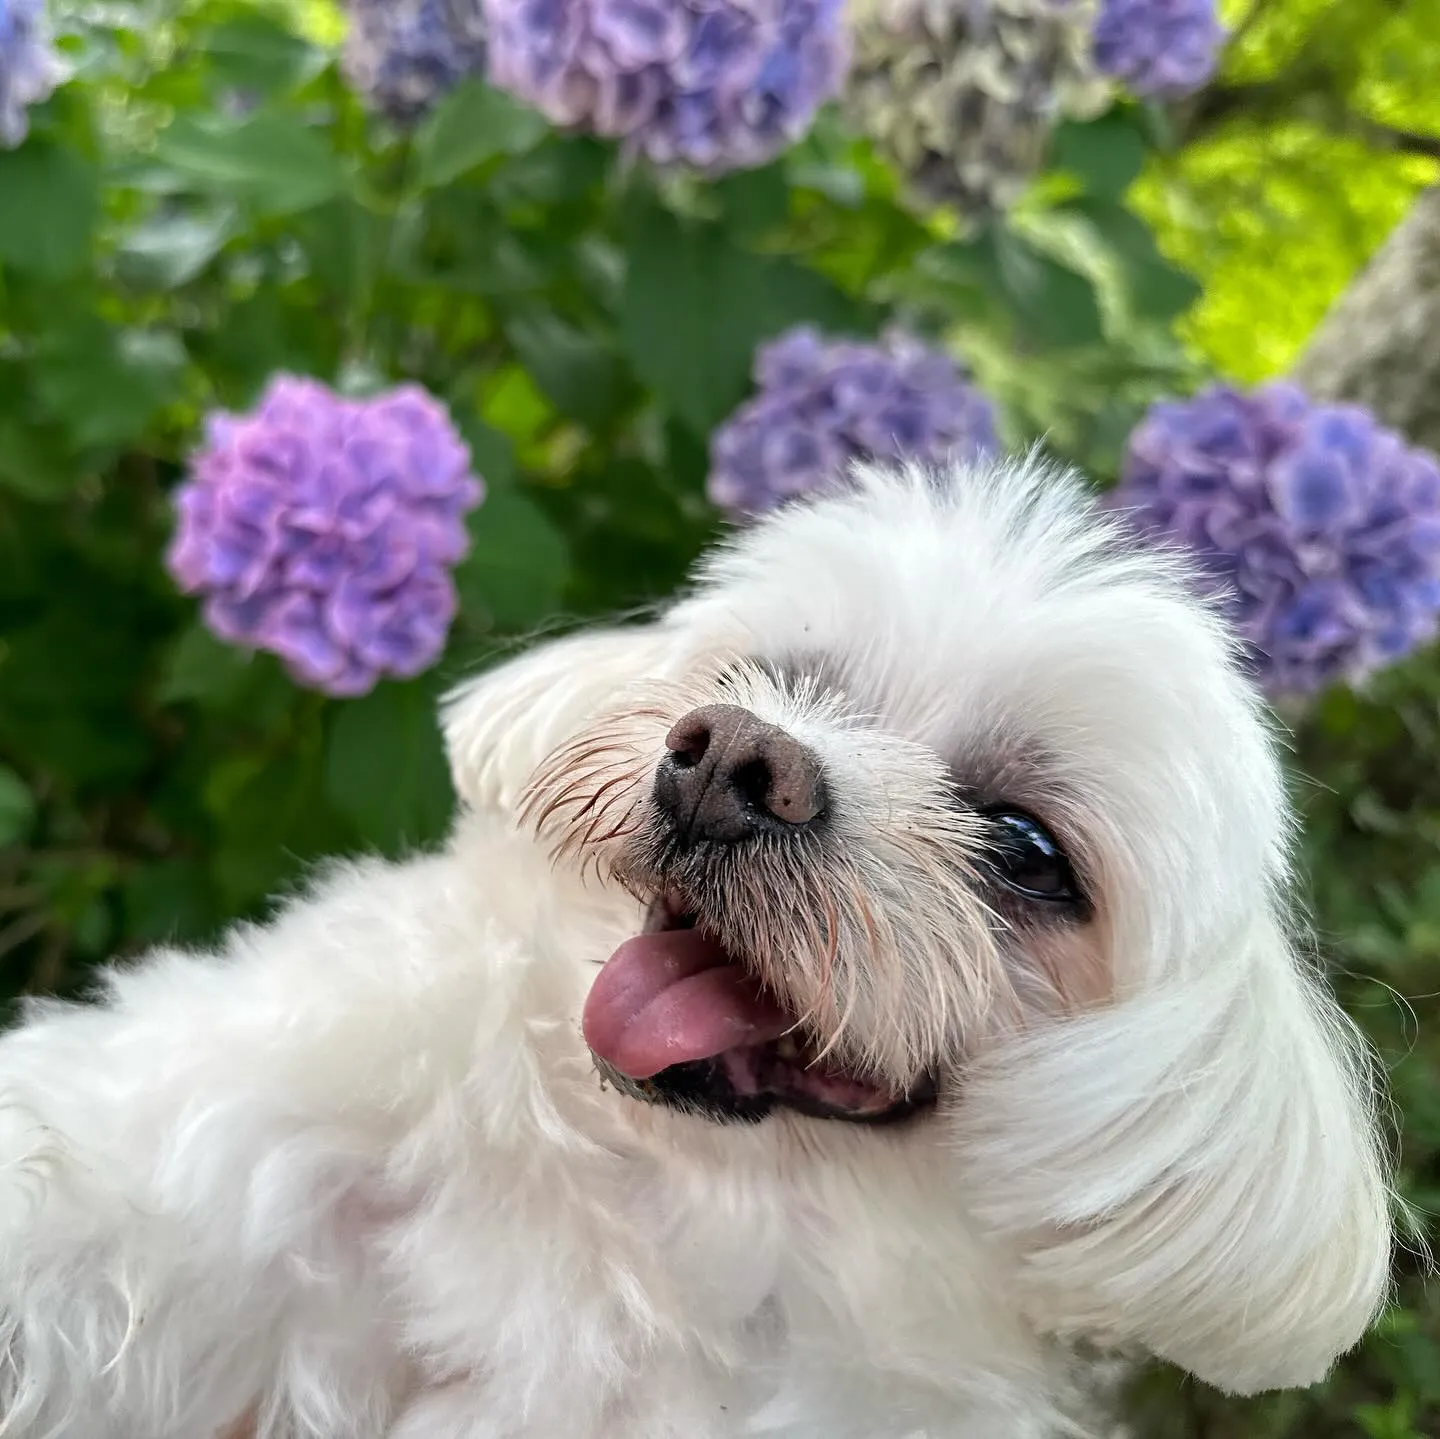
(206, 204)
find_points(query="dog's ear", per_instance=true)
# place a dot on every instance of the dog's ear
(1196, 1171)
(501, 724)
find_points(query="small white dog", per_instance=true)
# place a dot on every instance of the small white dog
(839, 999)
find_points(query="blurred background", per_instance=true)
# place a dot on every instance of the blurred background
(341, 351)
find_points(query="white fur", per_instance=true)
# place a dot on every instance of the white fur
(355, 1172)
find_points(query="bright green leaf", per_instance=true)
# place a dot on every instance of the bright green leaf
(271, 159)
(516, 570)
(50, 199)
(471, 125)
(385, 767)
(1053, 305)
(253, 53)
(17, 807)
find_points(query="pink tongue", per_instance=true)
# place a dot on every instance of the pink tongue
(666, 998)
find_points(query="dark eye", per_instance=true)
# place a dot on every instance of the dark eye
(1025, 857)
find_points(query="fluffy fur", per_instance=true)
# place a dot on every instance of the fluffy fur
(355, 1175)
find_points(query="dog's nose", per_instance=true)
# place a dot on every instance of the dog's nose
(729, 775)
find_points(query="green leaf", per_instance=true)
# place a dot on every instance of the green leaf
(202, 668)
(754, 201)
(696, 305)
(518, 563)
(273, 160)
(251, 52)
(167, 251)
(1157, 289)
(1105, 155)
(1052, 304)
(582, 376)
(104, 385)
(17, 807)
(471, 125)
(385, 767)
(51, 200)
(34, 461)
(492, 455)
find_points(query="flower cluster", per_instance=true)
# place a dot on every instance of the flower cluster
(29, 67)
(402, 56)
(1323, 527)
(822, 404)
(1161, 48)
(712, 84)
(324, 529)
(962, 98)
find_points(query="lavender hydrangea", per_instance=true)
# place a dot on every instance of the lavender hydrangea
(1321, 526)
(712, 84)
(822, 404)
(29, 67)
(402, 56)
(1161, 48)
(324, 529)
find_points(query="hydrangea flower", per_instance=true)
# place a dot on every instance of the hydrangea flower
(822, 404)
(1322, 527)
(402, 56)
(962, 97)
(713, 84)
(1161, 48)
(324, 529)
(29, 67)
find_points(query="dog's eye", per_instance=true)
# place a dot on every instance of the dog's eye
(1025, 857)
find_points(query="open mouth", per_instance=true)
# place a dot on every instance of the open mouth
(674, 1018)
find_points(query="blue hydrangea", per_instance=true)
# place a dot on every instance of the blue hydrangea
(1322, 527)
(402, 56)
(715, 85)
(29, 67)
(823, 403)
(1160, 48)
(324, 530)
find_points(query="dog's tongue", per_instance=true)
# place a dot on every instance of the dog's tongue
(666, 998)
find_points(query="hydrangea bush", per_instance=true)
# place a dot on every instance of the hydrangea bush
(823, 404)
(324, 530)
(279, 282)
(1322, 527)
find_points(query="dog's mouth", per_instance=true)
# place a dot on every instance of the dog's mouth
(675, 1018)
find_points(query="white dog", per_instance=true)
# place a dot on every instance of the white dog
(839, 999)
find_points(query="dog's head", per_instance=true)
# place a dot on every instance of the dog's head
(938, 794)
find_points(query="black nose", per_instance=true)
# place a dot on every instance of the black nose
(729, 775)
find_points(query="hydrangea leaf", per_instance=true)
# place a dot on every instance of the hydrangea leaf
(17, 807)
(202, 668)
(517, 567)
(1105, 155)
(406, 801)
(581, 375)
(271, 159)
(253, 53)
(1157, 289)
(472, 124)
(166, 251)
(696, 305)
(51, 201)
(1053, 304)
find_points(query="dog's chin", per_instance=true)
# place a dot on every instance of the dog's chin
(693, 985)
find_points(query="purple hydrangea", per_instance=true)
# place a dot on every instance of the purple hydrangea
(1321, 526)
(324, 529)
(402, 56)
(29, 67)
(713, 84)
(1161, 48)
(822, 404)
